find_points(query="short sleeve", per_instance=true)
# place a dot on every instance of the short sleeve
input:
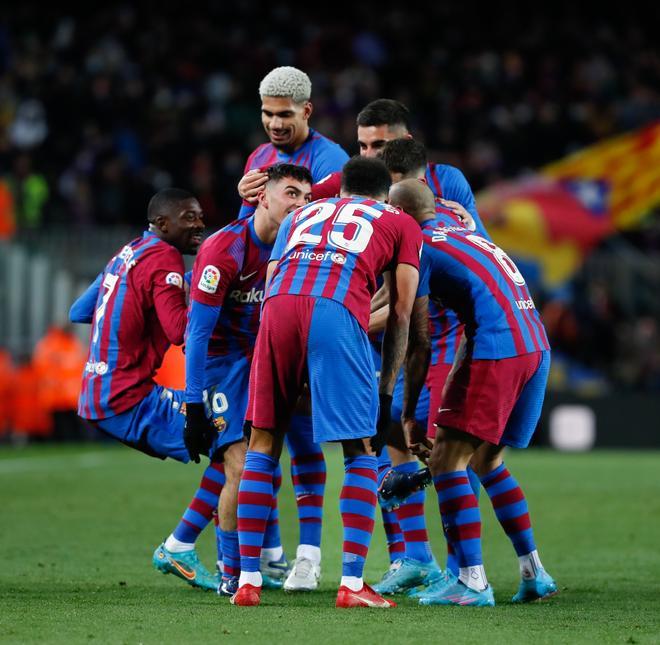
(216, 265)
(327, 187)
(410, 241)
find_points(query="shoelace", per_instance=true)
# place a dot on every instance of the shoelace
(303, 567)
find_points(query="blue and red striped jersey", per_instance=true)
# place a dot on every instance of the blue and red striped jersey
(448, 182)
(445, 328)
(230, 272)
(336, 248)
(319, 154)
(139, 311)
(445, 181)
(477, 280)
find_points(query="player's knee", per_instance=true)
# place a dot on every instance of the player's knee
(485, 462)
(234, 460)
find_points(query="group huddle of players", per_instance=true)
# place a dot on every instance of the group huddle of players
(358, 301)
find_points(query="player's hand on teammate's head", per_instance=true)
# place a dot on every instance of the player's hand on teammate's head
(416, 440)
(199, 432)
(459, 210)
(251, 184)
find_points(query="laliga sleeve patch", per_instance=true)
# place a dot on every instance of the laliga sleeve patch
(210, 279)
(174, 278)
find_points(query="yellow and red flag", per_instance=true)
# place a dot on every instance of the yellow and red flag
(550, 221)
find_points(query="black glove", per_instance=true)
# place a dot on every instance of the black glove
(199, 432)
(379, 440)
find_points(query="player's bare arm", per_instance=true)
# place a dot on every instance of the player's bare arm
(415, 368)
(395, 342)
(382, 296)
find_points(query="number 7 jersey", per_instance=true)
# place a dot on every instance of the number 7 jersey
(137, 309)
(481, 283)
(336, 248)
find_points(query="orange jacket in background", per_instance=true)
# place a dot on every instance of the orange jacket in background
(172, 373)
(6, 381)
(59, 359)
(28, 415)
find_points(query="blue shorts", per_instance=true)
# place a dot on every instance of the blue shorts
(496, 400)
(154, 426)
(525, 415)
(226, 380)
(342, 378)
(316, 340)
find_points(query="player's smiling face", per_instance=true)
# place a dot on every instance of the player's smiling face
(184, 226)
(285, 195)
(372, 138)
(285, 121)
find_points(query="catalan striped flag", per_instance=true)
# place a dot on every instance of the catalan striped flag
(550, 221)
(626, 169)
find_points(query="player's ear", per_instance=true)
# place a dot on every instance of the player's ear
(308, 108)
(262, 199)
(161, 223)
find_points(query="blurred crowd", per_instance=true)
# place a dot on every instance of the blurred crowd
(102, 107)
(39, 391)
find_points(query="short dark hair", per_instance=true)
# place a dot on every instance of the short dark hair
(281, 170)
(404, 155)
(384, 112)
(365, 176)
(164, 200)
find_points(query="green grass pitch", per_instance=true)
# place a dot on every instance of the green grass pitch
(78, 526)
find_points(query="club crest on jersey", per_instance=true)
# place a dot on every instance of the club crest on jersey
(210, 279)
(219, 423)
(174, 278)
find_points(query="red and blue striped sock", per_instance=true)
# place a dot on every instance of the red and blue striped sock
(218, 536)
(393, 535)
(255, 502)
(510, 508)
(475, 484)
(357, 504)
(272, 538)
(412, 520)
(205, 502)
(461, 520)
(231, 556)
(308, 474)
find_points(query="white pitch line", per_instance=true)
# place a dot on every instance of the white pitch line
(54, 462)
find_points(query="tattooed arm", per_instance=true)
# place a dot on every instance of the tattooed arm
(402, 296)
(418, 356)
(415, 368)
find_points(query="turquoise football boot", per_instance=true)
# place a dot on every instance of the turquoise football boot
(434, 583)
(185, 565)
(404, 575)
(457, 593)
(539, 588)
